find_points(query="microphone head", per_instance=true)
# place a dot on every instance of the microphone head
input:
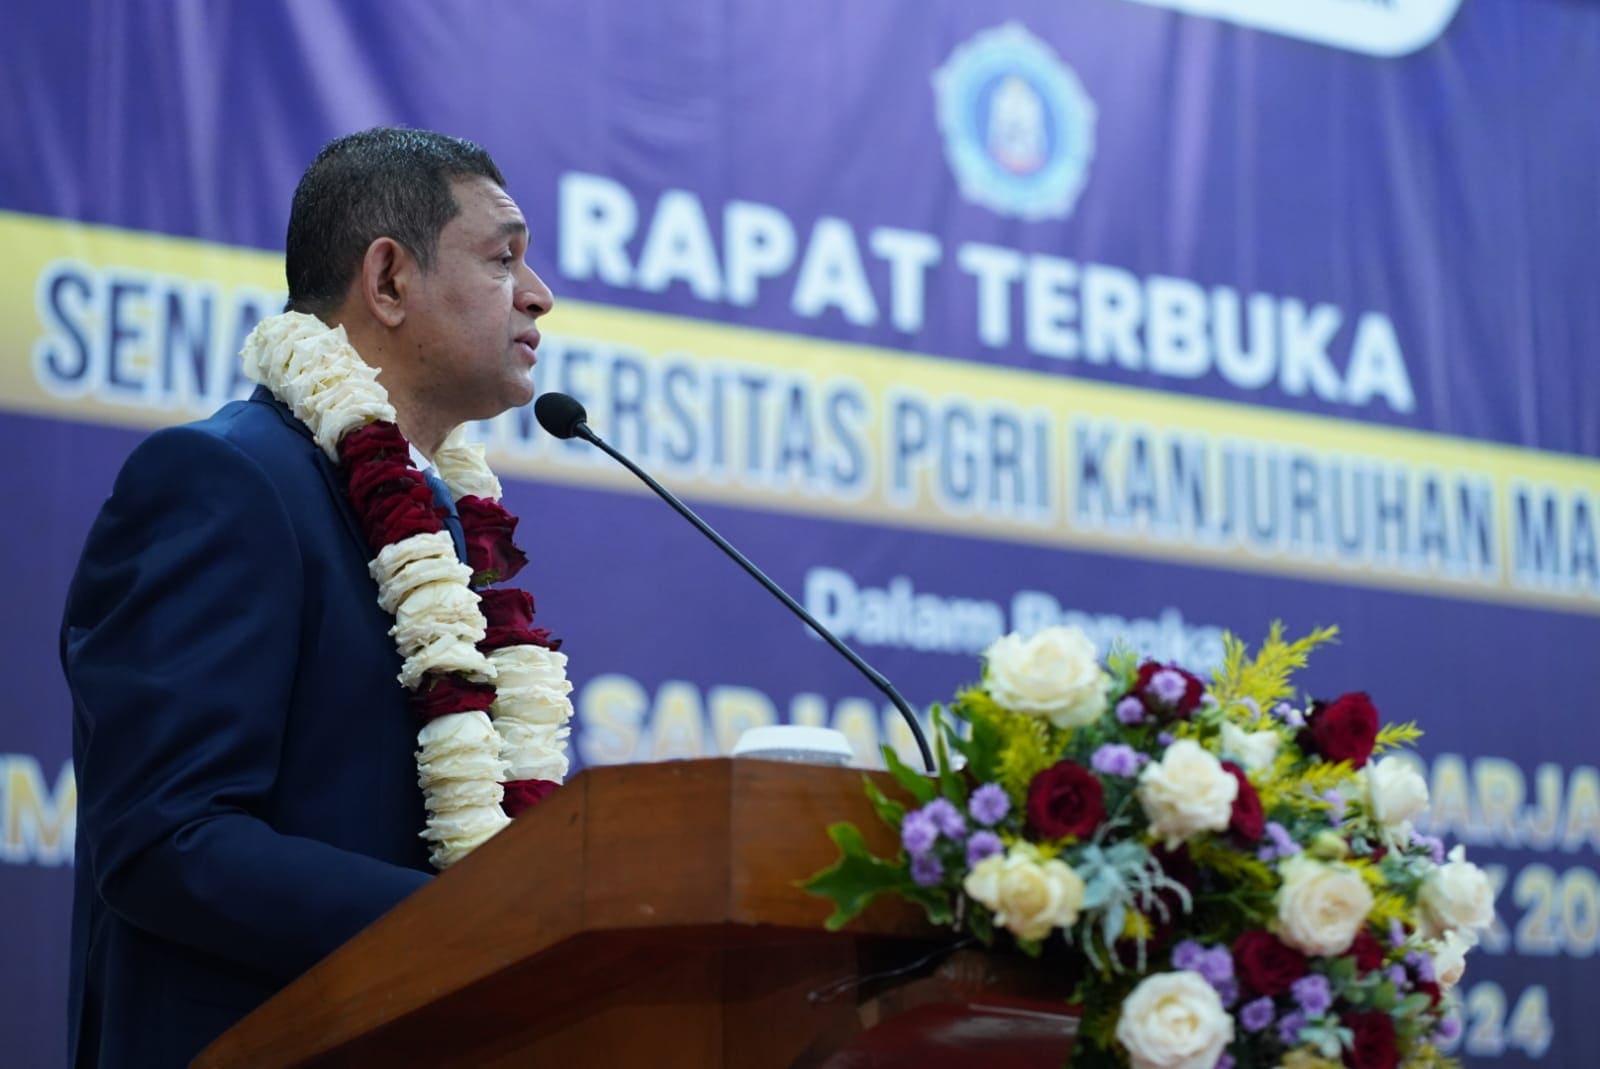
(559, 414)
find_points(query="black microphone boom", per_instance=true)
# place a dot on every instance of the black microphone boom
(564, 417)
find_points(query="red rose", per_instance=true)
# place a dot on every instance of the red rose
(524, 794)
(1065, 799)
(1158, 706)
(370, 482)
(1432, 989)
(1249, 820)
(1342, 730)
(398, 515)
(509, 613)
(1373, 1046)
(493, 555)
(372, 442)
(1265, 964)
(1367, 951)
(441, 695)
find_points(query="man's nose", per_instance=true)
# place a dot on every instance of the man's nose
(534, 297)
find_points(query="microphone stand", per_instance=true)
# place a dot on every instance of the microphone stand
(580, 429)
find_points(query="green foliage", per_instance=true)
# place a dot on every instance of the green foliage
(935, 902)
(951, 784)
(889, 811)
(981, 747)
(1265, 679)
(1027, 744)
(1122, 664)
(1395, 736)
(856, 878)
(1319, 777)
(1102, 1003)
(1233, 865)
(918, 785)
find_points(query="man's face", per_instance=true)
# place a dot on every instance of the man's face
(470, 320)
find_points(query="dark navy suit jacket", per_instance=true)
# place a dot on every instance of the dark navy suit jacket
(247, 786)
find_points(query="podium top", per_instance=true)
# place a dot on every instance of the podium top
(638, 855)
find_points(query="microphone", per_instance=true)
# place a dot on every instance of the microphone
(564, 417)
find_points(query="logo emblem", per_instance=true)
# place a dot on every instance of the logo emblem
(1018, 127)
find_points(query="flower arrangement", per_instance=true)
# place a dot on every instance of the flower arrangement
(1235, 873)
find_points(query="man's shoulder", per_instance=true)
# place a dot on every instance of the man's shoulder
(250, 447)
(257, 425)
(259, 432)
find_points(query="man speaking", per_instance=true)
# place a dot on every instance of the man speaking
(296, 691)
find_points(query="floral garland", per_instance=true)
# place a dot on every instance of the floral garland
(490, 689)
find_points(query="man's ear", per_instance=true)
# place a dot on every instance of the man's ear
(387, 271)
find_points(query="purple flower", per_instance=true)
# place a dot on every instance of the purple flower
(1397, 934)
(1117, 759)
(1186, 956)
(1282, 843)
(1422, 964)
(1216, 966)
(982, 844)
(1166, 738)
(1256, 1015)
(1224, 1061)
(1433, 844)
(1289, 1026)
(1335, 802)
(1398, 977)
(1289, 715)
(1228, 992)
(1130, 710)
(947, 818)
(989, 804)
(926, 870)
(917, 832)
(1449, 1030)
(1313, 994)
(1168, 685)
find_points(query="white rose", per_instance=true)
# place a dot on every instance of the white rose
(1450, 957)
(1254, 749)
(462, 466)
(1186, 792)
(983, 881)
(1028, 896)
(1395, 794)
(1053, 674)
(1457, 894)
(1174, 1020)
(1321, 906)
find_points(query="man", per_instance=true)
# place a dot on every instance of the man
(248, 795)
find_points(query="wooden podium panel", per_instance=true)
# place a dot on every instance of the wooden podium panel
(641, 915)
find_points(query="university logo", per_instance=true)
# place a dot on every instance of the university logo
(1018, 127)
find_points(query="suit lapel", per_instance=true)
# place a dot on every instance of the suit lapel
(325, 468)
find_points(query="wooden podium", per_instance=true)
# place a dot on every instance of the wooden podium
(647, 915)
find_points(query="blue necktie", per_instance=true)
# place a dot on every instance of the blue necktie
(452, 522)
